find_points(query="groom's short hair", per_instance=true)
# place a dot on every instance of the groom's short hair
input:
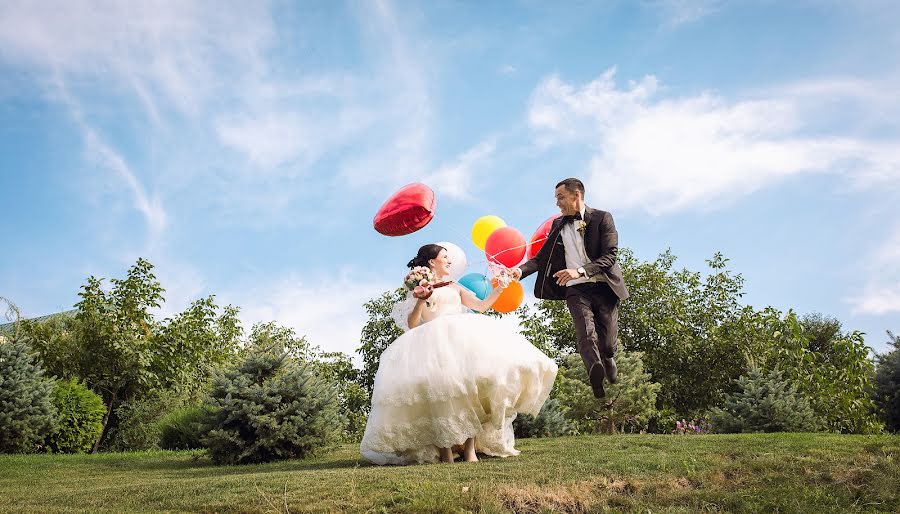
(572, 185)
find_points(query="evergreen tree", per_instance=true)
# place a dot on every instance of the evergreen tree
(269, 408)
(628, 406)
(79, 417)
(550, 422)
(887, 384)
(27, 414)
(765, 402)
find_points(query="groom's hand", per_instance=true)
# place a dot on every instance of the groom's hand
(515, 273)
(564, 276)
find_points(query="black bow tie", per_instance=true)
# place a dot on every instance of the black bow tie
(573, 217)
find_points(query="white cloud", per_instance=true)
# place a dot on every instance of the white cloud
(454, 179)
(881, 293)
(327, 310)
(680, 12)
(166, 51)
(507, 69)
(668, 154)
(396, 148)
(103, 155)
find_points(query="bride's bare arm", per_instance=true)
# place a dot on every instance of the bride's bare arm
(471, 301)
(415, 317)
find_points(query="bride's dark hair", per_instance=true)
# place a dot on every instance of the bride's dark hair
(426, 253)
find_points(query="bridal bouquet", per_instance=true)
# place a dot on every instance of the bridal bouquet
(418, 277)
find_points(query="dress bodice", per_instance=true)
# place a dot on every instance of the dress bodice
(443, 301)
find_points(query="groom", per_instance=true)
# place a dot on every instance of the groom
(577, 263)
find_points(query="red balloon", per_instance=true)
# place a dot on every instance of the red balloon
(540, 235)
(407, 210)
(505, 245)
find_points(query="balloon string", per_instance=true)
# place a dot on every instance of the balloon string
(493, 257)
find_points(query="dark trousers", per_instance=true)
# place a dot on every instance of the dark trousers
(595, 314)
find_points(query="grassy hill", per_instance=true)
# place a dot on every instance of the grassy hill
(636, 473)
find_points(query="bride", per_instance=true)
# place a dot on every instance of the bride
(454, 382)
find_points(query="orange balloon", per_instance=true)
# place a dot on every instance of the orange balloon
(510, 299)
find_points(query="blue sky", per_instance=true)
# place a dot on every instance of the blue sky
(243, 148)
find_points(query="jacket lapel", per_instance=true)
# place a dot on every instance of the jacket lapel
(588, 214)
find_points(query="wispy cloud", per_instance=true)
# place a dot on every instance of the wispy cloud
(168, 53)
(696, 152)
(104, 156)
(881, 292)
(681, 12)
(396, 149)
(454, 179)
(327, 310)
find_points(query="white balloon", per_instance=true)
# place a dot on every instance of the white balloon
(458, 262)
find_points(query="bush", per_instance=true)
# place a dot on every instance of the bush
(27, 414)
(887, 385)
(183, 429)
(79, 420)
(628, 406)
(550, 422)
(765, 402)
(270, 408)
(137, 426)
(836, 379)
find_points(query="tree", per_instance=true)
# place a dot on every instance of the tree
(679, 319)
(334, 367)
(822, 332)
(378, 333)
(27, 414)
(79, 418)
(548, 326)
(765, 402)
(628, 406)
(354, 402)
(115, 345)
(887, 384)
(838, 384)
(550, 422)
(270, 407)
(681, 322)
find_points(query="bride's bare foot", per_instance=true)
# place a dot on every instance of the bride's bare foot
(446, 455)
(469, 450)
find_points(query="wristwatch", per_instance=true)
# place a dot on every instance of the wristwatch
(582, 272)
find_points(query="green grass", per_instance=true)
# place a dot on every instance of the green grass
(639, 473)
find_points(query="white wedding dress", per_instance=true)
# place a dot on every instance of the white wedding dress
(456, 376)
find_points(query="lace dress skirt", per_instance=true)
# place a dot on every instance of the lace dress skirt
(455, 377)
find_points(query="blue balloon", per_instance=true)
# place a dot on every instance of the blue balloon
(478, 284)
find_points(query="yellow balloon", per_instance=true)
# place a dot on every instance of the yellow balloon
(484, 227)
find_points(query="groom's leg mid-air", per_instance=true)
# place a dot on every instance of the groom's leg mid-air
(594, 309)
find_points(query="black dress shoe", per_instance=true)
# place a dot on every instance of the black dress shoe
(596, 376)
(612, 372)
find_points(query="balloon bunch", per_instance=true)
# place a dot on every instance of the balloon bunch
(412, 207)
(504, 247)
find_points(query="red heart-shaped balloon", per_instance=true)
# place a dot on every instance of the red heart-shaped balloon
(407, 210)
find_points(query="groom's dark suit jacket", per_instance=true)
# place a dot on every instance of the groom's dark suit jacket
(601, 242)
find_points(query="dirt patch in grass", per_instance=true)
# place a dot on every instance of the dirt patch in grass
(573, 498)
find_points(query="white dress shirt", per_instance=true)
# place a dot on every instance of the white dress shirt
(576, 255)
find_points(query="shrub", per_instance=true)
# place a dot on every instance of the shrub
(269, 408)
(550, 422)
(183, 429)
(887, 385)
(79, 420)
(26, 410)
(137, 426)
(628, 406)
(765, 402)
